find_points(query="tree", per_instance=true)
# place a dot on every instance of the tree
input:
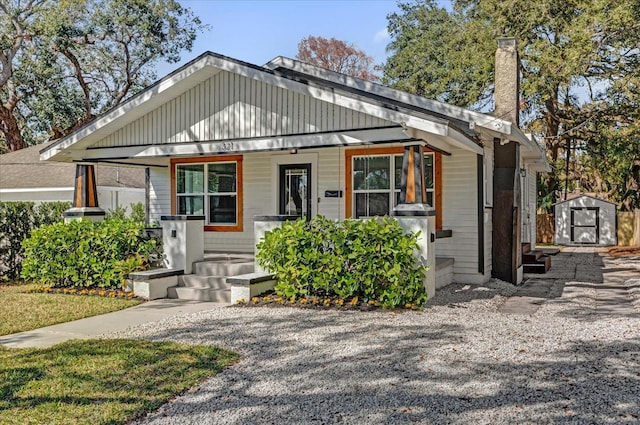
(62, 62)
(336, 55)
(580, 62)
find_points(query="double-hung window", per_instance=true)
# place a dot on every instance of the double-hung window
(210, 187)
(375, 177)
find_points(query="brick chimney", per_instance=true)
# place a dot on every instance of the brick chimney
(507, 208)
(507, 81)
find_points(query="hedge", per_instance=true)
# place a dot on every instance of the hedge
(17, 220)
(85, 254)
(370, 259)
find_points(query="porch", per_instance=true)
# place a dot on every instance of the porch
(212, 278)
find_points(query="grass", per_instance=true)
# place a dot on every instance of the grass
(99, 381)
(22, 311)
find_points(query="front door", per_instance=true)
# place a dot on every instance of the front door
(295, 190)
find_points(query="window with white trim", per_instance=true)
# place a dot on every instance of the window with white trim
(208, 189)
(377, 181)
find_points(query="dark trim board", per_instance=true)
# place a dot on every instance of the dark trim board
(480, 191)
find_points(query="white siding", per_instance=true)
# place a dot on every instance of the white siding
(159, 193)
(488, 210)
(530, 206)
(460, 214)
(259, 194)
(228, 107)
(459, 205)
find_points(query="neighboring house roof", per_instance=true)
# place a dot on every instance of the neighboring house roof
(419, 117)
(23, 169)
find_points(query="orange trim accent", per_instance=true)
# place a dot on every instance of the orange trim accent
(438, 189)
(91, 184)
(350, 153)
(410, 196)
(239, 189)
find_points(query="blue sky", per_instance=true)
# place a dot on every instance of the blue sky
(257, 31)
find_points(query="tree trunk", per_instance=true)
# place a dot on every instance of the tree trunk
(11, 130)
(552, 124)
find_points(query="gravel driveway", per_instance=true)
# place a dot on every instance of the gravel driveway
(459, 361)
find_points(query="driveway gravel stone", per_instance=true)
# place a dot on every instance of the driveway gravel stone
(460, 361)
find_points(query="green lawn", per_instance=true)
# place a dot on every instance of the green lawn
(99, 381)
(22, 311)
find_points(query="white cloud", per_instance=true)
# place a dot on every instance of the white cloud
(381, 36)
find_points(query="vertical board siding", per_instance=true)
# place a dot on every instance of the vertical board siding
(533, 207)
(228, 106)
(331, 177)
(460, 214)
(159, 193)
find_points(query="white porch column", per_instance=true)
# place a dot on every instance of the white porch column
(263, 224)
(423, 221)
(415, 215)
(183, 241)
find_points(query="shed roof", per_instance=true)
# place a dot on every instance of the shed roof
(576, 198)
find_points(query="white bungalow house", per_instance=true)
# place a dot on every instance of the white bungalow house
(230, 141)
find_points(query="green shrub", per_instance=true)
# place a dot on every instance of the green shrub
(137, 213)
(372, 259)
(17, 219)
(84, 254)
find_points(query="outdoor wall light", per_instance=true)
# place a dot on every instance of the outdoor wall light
(293, 151)
(523, 172)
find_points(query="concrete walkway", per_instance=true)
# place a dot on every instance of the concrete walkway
(116, 321)
(580, 272)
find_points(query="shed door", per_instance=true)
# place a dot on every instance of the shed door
(584, 225)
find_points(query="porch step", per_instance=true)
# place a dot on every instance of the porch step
(197, 281)
(526, 247)
(231, 267)
(540, 266)
(200, 294)
(531, 256)
(209, 279)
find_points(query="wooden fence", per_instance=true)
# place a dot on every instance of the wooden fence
(628, 228)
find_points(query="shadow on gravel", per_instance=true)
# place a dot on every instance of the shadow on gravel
(366, 369)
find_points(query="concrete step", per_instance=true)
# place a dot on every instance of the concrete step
(230, 267)
(531, 256)
(198, 281)
(200, 294)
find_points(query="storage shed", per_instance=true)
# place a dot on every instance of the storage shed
(585, 220)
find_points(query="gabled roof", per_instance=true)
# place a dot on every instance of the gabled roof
(419, 117)
(23, 169)
(470, 121)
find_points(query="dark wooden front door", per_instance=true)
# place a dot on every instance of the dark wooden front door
(295, 190)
